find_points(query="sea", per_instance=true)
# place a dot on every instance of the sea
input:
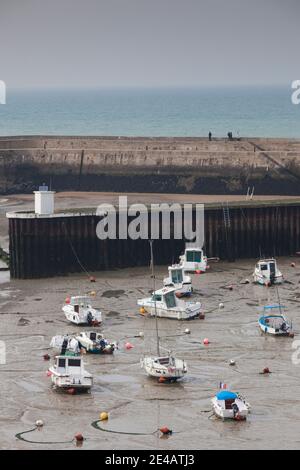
(244, 111)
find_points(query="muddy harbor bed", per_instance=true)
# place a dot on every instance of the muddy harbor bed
(31, 314)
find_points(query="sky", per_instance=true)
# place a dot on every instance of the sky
(148, 43)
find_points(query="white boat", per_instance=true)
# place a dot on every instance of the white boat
(91, 341)
(78, 309)
(68, 373)
(230, 405)
(165, 304)
(193, 260)
(168, 367)
(275, 324)
(65, 344)
(179, 280)
(94, 343)
(266, 272)
(165, 367)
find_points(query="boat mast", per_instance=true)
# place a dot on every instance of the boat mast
(153, 277)
(278, 300)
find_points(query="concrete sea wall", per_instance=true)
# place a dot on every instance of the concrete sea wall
(165, 165)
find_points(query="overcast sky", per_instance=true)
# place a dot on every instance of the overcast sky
(148, 42)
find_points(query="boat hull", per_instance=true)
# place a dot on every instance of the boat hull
(157, 371)
(77, 383)
(228, 414)
(174, 314)
(81, 319)
(272, 331)
(262, 280)
(191, 267)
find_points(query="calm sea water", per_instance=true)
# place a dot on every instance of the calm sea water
(266, 112)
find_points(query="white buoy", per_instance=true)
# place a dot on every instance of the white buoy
(141, 334)
(187, 331)
(221, 305)
(39, 423)
(232, 362)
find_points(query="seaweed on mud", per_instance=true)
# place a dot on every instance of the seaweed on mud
(113, 293)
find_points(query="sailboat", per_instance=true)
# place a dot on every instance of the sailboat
(168, 366)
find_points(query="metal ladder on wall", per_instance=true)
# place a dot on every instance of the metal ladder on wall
(227, 226)
(226, 215)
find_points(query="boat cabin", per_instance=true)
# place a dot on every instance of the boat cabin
(267, 268)
(166, 296)
(193, 255)
(66, 365)
(176, 274)
(228, 397)
(92, 335)
(82, 301)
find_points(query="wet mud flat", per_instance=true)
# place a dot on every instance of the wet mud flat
(31, 314)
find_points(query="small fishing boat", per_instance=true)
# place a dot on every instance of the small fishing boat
(230, 405)
(78, 309)
(95, 343)
(68, 373)
(267, 273)
(179, 280)
(165, 304)
(92, 342)
(165, 367)
(65, 344)
(193, 260)
(275, 324)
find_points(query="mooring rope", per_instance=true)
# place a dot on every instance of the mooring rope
(19, 436)
(74, 251)
(95, 425)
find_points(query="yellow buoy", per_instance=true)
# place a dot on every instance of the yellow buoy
(93, 293)
(103, 416)
(142, 310)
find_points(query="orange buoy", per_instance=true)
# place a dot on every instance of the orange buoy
(46, 357)
(198, 271)
(128, 345)
(291, 334)
(71, 391)
(48, 373)
(206, 341)
(266, 370)
(201, 316)
(161, 380)
(78, 437)
(293, 265)
(68, 300)
(165, 430)
(92, 279)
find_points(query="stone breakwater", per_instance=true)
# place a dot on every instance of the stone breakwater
(162, 165)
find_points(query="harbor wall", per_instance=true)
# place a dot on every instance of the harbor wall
(162, 165)
(56, 245)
